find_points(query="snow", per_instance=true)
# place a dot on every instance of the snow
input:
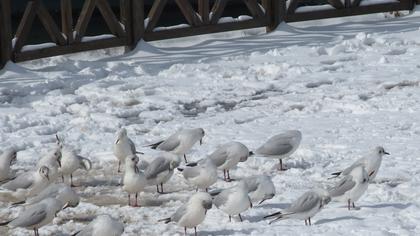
(348, 84)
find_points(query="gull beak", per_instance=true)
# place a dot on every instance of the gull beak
(48, 177)
(59, 162)
(117, 141)
(387, 153)
(371, 173)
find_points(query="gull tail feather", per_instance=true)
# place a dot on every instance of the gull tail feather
(18, 203)
(166, 220)
(274, 215)
(215, 192)
(5, 223)
(335, 174)
(192, 164)
(76, 233)
(7, 180)
(154, 145)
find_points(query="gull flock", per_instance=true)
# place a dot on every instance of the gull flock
(40, 196)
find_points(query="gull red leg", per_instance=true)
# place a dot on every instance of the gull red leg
(129, 200)
(309, 221)
(119, 164)
(185, 158)
(195, 231)
(240, 217)
(348, 204)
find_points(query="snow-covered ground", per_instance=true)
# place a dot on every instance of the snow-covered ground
(348, 84)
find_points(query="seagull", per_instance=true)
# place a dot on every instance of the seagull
(351, 187)
(134, 181)
(234, 201)
(60, 191)
(371, 162)
(260, 188)
(7, 159)
(228, 156)
(52, 160)
(180, 142)
(102, 225)
(37, 215)
(160, 170)
(124, 147)
(70, 162)
(305, 207)
(27, 184)
(281, 146)
(201, 176)
(192, 213)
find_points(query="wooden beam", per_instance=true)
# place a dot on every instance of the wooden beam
(126, 19)
(204, 29)
(110, 18)
(337, 4)
(254, 8)
(385, 7)
(217, 11)
(84, 19)
(188, 12)
(5, 32)
(292, 6)
(67, 20)
(155, 13)
(73, 48)
(50, 25)
(204, 10)
(138, 21)
(25, 25)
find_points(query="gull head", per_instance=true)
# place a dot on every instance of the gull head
(10, 155)
(199, 134)
(202, 198)
(59, 141)
(69, 196)
(44, 172)
(57, 155)
(381, 151)
(131, 162)
(122, 133)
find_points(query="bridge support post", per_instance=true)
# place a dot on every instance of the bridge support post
(135, 22)
(5, 32)
(276, 11)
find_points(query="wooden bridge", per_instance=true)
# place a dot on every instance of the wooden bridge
(133, 23)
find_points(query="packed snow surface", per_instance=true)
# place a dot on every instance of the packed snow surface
(347, 84)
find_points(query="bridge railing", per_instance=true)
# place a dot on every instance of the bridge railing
(135, 23)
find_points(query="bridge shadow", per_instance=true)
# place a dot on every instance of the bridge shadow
(152, 58)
